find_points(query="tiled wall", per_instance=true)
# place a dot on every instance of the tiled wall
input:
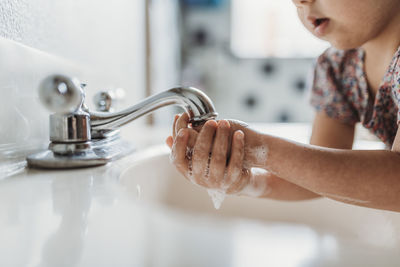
(253, 90)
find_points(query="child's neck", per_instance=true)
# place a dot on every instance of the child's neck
(379, 53)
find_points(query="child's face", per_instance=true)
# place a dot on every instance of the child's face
(347, 24)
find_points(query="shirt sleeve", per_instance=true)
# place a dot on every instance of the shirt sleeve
(327, 94)
(395, 71)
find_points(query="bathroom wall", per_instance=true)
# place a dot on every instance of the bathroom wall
(100, 42)
(165, 51)
(248, 89)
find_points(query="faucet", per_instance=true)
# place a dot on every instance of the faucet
(80, 137)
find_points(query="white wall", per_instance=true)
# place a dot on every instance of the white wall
(101, 42)
(165, 53)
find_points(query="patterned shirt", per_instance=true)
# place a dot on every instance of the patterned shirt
(341, 90)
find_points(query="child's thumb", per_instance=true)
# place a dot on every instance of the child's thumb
(169, 141)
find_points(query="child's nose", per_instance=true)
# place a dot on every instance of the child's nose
(300, 3)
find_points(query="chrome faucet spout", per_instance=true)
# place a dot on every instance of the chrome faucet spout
(82, 138)
(193, 101)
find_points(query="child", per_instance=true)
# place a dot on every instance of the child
(348, 88)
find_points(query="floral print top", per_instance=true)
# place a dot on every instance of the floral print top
(340, 89)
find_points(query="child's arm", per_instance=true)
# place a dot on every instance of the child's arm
(364, 178)
(326, 132)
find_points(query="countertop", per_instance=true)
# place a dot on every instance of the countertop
(88, 217)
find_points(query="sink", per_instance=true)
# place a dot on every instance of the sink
(262, 232)
(139, 211)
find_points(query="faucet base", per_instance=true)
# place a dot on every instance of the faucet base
(99, 152)
(50, 160)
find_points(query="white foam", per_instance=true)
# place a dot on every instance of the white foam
(345, 199)
(172, 156)
(235, 176)
(217, 197)
(255, 187)
(260, 153)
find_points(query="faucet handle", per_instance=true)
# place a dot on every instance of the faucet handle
(105, 100)
(64, 96)
(61, 94)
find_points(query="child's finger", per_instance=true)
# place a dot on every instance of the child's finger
(174, 126)
(169, 141)
(192, 137)
(199, 126)
(202, 151)
(182, 122)
(235, 166)
(178, 153)
(219, 153)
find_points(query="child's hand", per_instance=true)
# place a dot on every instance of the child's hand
(255, 151)
(212, 156)
(207, 164)
(181, 122)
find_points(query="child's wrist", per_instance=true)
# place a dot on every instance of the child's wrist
(257, 185)
(256, 150)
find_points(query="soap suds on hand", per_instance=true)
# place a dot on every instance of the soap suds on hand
(172, 155)
(217, 197)
(255, 187)
(345, 199)
(260, 153)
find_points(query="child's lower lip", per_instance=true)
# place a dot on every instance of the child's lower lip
(321, 29)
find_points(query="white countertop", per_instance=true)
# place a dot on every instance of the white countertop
(91, 217)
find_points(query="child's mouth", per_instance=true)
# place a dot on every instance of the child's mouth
(320, 25)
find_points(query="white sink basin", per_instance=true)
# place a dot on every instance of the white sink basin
(261, 232)
(138, 211)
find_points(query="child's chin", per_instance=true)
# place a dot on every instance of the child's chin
(345, 45)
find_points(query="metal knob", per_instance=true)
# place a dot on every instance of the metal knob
(105, 101)
(64, 96)
(61, 94)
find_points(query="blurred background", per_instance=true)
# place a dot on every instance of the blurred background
(252, 57)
